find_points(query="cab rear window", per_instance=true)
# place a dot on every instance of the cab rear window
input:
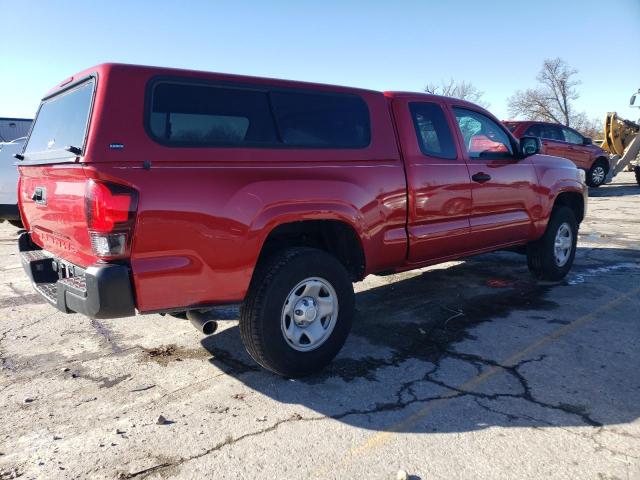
(196, 115)
(61, 122)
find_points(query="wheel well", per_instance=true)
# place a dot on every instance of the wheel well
(333, 236)
(572, 200)
(604, 161)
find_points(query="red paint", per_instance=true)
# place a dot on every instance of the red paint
(203, 214)
(582, 155)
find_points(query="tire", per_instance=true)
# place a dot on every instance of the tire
(276, 284)
(597, 174)
(542, 257)
(637, 170)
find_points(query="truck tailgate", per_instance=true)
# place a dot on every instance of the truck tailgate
(52, 200)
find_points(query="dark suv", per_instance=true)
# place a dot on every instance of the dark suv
(561, 141)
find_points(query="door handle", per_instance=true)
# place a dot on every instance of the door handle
(481, 177)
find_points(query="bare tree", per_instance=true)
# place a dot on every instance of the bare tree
(462, 90)
(552, 100)
(589, 127)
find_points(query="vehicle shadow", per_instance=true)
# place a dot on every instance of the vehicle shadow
(421, 338)
(615, 190)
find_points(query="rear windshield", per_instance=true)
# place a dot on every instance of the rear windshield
(61, 122)
(196, 115)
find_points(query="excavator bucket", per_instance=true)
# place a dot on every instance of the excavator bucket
(622, 140)
(618, 133)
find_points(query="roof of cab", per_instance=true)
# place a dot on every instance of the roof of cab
(122, 68)
(429, 97)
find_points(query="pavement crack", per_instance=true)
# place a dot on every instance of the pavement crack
(511, 417)
(587, 436)
(145, 471)
(526, 393)
(228, 441)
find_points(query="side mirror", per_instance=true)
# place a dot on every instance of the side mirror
(530, 146)
(587, 141)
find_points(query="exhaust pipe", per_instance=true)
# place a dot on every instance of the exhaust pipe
(202, 321)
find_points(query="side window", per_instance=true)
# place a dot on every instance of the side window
(190, 114)
(533, 131)
(433, 132)
(321, 120)
(209, 115)
(551, 132)
(483, 138)
(571, 136)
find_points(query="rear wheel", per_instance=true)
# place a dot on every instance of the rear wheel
(298, 311)
(551, 257)
(597, 174)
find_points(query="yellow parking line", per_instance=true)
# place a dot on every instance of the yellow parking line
(381, 438)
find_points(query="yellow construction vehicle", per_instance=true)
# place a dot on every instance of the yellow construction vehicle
(622, 141)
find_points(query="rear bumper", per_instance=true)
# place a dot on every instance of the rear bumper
(9, 212)
(99, 291)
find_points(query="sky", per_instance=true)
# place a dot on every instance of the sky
(498, 46)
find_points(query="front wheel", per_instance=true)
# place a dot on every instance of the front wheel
(597, 174)
(637, 171)
(551, 257)
(298, 311)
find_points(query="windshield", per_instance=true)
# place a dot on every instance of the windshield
(61, 122)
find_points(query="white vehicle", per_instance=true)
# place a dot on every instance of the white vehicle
(9, 181)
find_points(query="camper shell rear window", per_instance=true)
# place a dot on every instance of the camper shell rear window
(183, 113)
(61, 122)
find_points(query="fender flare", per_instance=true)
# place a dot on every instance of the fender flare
(271, 218)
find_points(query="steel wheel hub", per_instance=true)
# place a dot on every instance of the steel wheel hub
(563, 244)
(305, 311)
(597, 177)
(309, 314)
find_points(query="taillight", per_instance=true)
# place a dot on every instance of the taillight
(110, 210)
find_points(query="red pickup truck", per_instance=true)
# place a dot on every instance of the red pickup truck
(168, 191)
